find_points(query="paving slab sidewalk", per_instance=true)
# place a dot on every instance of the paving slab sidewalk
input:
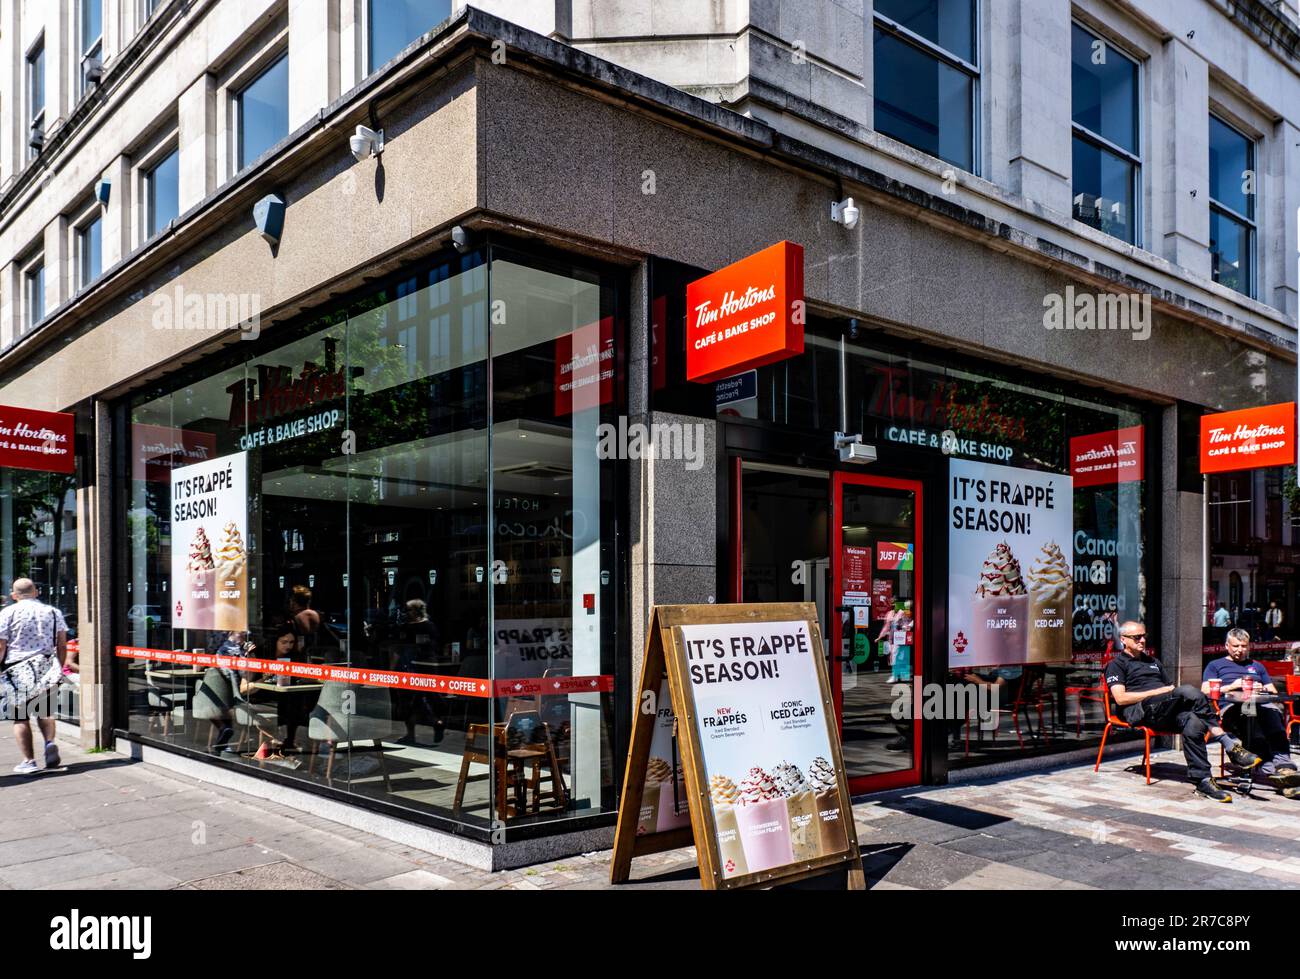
(103, 821)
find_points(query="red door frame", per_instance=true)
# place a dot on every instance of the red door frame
(909, 776)
(863, 783)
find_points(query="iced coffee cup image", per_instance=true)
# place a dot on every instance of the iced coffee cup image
(1000, 610)
(726, 796)
(199, 597)
(801, 804)
(832, 837)
(1051, 591)
(232, 581)
(764, 822)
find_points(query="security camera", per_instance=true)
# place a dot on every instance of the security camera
(366, 142)
(460, 239)
(845, 212)
(854, 328)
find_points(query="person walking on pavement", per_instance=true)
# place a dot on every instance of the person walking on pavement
(1144, 695)
(30, 628)
(1273, 619)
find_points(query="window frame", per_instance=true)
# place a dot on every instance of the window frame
(147, 167)
(35, 116)
(32, 268)
(83, 220)
(1251, 224)
(951, 60)
(88, 47)
(1082, 132)
(250, 77)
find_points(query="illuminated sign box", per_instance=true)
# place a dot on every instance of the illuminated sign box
(1253, 438)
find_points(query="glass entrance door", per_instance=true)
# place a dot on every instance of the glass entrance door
(875, 634)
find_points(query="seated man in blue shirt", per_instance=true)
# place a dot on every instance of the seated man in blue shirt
(1270, 738)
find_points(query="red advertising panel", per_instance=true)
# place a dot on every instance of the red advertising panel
(856, 575)
(746, 315)
(1107, 457)
(584, 368)
(159, 449)
(40, 440)
(1249, 439)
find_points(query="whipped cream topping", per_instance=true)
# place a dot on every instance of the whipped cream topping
(724, 791)
(1000, 575)
(658, 771)
(200, 552)
(757, 786)
(821, 775)
(1049, 577)
(789, 780)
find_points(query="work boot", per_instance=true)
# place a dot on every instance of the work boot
(1242, 758)
(1284, 778)
(1209, 788)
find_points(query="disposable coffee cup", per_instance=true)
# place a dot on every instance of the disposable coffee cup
(1248, 687)
(1215, 686)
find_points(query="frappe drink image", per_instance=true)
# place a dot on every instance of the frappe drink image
(725, 796)
(830, 820)
(764, 822)
(199, 597)
(999, 610)
(802, 806)
(673, 812)
(1050, 599)
(657, 777)
(232, 581)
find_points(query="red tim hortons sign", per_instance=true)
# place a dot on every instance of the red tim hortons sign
(40, 440)
(1107, 457)
(746, 315)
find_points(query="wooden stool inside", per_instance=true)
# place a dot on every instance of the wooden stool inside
(518, 768)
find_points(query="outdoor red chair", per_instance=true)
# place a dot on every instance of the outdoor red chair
(1292, 686)
(1113, 721)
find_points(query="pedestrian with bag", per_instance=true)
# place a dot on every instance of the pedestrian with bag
(33, 645)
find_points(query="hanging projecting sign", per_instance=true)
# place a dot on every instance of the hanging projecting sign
(1107, 457)
(752, 726)
(746, 315)
(1253, 438)
(209, 550)
(39, 440)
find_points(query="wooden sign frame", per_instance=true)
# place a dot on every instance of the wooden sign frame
(665, 657)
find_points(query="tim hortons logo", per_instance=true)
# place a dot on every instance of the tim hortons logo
(276, 392)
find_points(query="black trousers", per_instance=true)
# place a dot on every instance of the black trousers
(1186, 711)
(1269, 739)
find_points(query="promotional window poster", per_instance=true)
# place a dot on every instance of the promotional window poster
(1010, 583)
(765, 744)
(209, 550)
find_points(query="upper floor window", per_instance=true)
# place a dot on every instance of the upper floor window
(90, 250)
(34, 291)
(1106, 153)
(92, 40)
(926, 76)
(263, 111)
(393, 24)
(1232, 207)
(36, 90)
(162, 193)
(150, 6)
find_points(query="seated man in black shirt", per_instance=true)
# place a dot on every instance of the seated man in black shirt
(1144, 695)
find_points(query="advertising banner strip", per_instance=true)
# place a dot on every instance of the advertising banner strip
(1254, 438)
(397, 679)
(43, 441)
